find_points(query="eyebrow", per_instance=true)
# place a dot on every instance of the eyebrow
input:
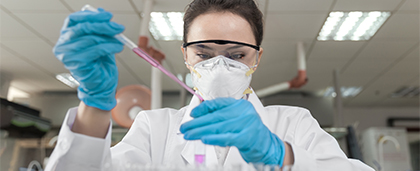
(235, 47)
(185, 44)
(204, 46)
(229, 48)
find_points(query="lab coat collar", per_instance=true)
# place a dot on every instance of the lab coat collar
(211, 159)
(195, 101)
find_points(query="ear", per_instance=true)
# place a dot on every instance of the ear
(259, 57)
(183, 52)
(184, 56)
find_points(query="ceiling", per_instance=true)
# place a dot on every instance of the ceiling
(390, 60)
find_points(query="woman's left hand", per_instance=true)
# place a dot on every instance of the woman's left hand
(230, 122)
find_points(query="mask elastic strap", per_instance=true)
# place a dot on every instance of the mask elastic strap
(196, 89)
(249, 72)
(247, 91)
(256, 60)
(193, 70)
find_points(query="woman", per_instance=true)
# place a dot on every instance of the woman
(221, 48)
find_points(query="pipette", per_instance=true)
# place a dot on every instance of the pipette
(145, 56)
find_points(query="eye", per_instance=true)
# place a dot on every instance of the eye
(237, 56)
(203, 55)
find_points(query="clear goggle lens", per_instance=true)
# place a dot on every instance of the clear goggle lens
(195, 52)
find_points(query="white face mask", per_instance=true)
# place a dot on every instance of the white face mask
(221, 77)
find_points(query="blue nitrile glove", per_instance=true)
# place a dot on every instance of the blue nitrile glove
(230, 122)
(86, 47)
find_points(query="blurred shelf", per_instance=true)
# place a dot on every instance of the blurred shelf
(337, 132)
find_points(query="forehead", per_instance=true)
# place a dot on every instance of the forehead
(221, 25)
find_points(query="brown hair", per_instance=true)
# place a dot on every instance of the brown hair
(247, 9)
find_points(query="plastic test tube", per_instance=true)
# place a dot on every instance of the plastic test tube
(199, 153)
(144, 55)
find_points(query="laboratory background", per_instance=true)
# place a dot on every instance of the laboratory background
(353, 63)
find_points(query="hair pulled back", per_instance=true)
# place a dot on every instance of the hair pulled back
(247, 9)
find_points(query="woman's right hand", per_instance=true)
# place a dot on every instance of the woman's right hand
(86, 47)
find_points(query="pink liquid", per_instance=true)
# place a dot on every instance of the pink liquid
(200, 159)
(156, 64)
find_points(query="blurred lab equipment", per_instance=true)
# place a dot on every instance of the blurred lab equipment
(35, 164)
(353, 144)
(22, 129)
(386, 149)
(130, 101)
(21, 121)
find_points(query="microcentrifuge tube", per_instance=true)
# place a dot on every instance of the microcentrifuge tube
(200, 153)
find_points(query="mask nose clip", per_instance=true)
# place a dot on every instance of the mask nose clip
(221, 61)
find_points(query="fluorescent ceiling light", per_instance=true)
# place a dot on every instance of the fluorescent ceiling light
(16, 93)
(166, 25)
(406, 91)
(355, 25)
(345, 91)
(67, 79)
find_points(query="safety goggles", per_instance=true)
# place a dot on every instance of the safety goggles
(198, 51)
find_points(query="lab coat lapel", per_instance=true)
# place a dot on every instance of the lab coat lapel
(188, 151)
(253, 98)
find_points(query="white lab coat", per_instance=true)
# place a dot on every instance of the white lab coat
(154, 138)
